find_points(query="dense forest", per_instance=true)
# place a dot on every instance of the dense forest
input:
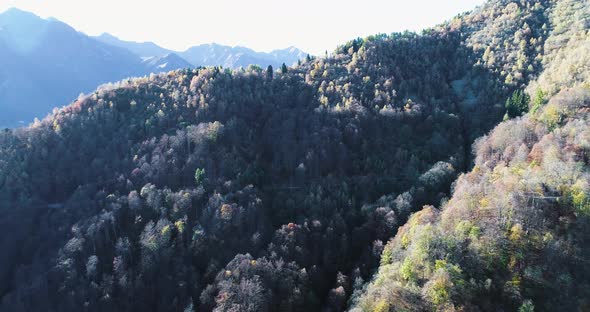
(282, 189)
(515, 234)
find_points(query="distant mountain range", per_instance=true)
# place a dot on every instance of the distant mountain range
(45, 63)
(211, 54)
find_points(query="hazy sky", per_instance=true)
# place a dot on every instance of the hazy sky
(312, 25)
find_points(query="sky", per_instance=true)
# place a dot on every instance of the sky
(314, 26)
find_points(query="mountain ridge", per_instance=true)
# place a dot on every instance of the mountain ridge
(213, 54)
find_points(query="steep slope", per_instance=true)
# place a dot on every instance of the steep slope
(515, 234)
(254, 190)
(515, 230)
(567, 50)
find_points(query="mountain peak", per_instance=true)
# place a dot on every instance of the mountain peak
(14, 14)
(106, 35)
(21, 30)
(16, 11)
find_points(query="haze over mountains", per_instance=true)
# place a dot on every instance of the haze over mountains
(46, 63)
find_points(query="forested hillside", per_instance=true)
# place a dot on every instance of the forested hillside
(278, 189)
(516, 233)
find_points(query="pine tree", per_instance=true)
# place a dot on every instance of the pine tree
(517, 104)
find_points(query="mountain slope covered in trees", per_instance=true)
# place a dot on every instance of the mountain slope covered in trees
(278, 189)
(515, 234)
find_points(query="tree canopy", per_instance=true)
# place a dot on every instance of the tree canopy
(248, 190)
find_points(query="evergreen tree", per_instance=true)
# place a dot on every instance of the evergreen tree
(517, 104)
